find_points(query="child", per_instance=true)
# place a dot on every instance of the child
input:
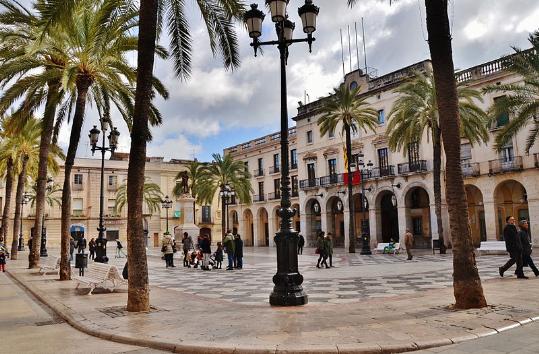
(2, 260)
(218, 256)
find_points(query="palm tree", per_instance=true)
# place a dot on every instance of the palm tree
(152, 196)
(6, 172)
(50, 198)
(416, 111)
(345, 107)
(467, 286)
(221, 172)
(521, 100)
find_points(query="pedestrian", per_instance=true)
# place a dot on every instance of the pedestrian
(168, 250)
(205, 245)
(218, 256)
(187, 245)
(228, 242)
(409, 243)
(513, 245)
(321, 249)
(81, 244)
(301, 243)
(71, 248)
(91, 248)
(238, 251)
(329, 248)
(526, 246)
(119, 247)
(2, 260)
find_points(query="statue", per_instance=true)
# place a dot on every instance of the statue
(184, 182)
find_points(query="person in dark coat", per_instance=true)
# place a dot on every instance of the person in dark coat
(91, 248)
(526, 246)
(71, 248)
(205, 246)
(301, 243)
(513, 245)
(81, 245)
(238, 254)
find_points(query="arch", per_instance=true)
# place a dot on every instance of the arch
(510, 198)
(476, 211)
(361, 214)
(313, 218)
(387, 218)
(248, 238)
(335, 220)
(417, 213)
(263, 227)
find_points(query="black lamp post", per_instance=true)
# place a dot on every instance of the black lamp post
(24, 201)
(166, 204)
(287, 290)
(43, 251)
(101, 242)
(225, 193)
(365, 229)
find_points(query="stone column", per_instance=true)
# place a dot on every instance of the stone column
(490, 218)
(434, 222)
(372, 227)
(403, 223)
(256, 225)
(272, 230)
(533, 208)
(346, 218)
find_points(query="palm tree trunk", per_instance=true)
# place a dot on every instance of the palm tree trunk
(18, 204)
(7, 203)
(437, 171)
(351, 222)
(46, 135)
(83, 83)
(138, 293)
(467, 287)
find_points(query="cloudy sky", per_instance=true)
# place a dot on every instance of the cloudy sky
(218, 108)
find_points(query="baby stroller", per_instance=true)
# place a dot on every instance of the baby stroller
(195, 257)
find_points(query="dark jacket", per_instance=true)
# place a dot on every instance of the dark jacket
(526, 244)
(238, 247)
(301, 241)
(205, 245)
(513, 243)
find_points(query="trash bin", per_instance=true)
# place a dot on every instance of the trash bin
(81, 262)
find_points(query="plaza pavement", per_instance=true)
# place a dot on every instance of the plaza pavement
(366, 304)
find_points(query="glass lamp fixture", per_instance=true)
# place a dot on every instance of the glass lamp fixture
(253, 19)
(113, 138)
(288, 29)
(94, 136)
(308, 14)
(277, 9)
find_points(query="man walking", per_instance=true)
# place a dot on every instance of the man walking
(301, 243)
(513, 245)
(228, 242)
(409, 243)
(238, 251)
(526, 246)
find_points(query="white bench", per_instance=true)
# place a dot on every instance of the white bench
(380, 247)
(51, 264)
(492, 247)
(98, 274)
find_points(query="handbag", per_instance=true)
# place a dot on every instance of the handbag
(317, 251)
(174, 249)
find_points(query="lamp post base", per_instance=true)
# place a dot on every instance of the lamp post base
(20, 247)
(366, 248)
(291, 295)
(43, 251)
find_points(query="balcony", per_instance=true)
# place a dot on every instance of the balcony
(258, 172)
(274, 196)
(77, 186)
(380, 172)
(258, 198)
(309, 183)
(332, 180)
(77, 214)
(505, 165)
(294, 193)
(112, 187)
(274, 169)
(294, 165)
(412, 167)
(471, 169)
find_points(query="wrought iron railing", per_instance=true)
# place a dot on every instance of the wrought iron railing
(259, 198)
(412, 167)
(309, 183)
(274, 169)
(332, 180)
(380, 172)
(505, 165)
(274, 195)
(259, 172)
(471, 169)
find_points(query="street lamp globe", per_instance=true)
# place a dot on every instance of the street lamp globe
(105, 125)
(277, 9)
(288, 29)
(166, 203)
(94, 136)
(308, 14)
(253, 19)
(113, 139)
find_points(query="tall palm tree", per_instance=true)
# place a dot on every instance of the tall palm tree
(467, 286)
(416, 111)
(152, 196)
(521, 100)
(51, 197)
(6, 173)
(346, 108)
(221, 172)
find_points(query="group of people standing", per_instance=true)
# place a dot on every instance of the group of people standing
(518, 244)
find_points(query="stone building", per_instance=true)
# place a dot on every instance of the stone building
(85, 189)
(398, 188)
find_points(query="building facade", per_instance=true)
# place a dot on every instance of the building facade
(85, 191)
(399, 186)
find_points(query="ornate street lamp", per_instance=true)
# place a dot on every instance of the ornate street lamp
(101, 242)
(365, 229)
(166, 204)
(287, 290)
(43, 251)
(394, 197)
(226, 193)
(24, 201)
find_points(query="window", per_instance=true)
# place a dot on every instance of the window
(261, 190)
(310, 137)
(311, 174)
(112, 181)
(111, 203)
(331, 133)
(277, 187)
(260, 167)
(77, 179)
(276, 162)
(507, 154)
(332, 167)
(381, 117)
(502, 118)
(413, 154)
(466, 152)
(206, 214)
(354, 131)
(294, 186)
(77, 206)
(353, 85)
(383, 161)
(293, 159)
(246, 164)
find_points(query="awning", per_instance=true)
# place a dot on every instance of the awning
(76, 228)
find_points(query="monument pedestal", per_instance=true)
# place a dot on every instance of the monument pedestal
(186, 218)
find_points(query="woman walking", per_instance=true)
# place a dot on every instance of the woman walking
(322, 250)
(526, 247)
(168, 249)
(91, 248)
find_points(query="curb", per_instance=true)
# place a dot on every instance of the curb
(75, 321)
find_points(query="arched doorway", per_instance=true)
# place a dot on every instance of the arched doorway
(510, 198)
(476, 211)
(361, 215)
(313, 221)
(263, 227)
(335, 220)
(418, 216)
(296, 220)
(387, 218)
(248, 238)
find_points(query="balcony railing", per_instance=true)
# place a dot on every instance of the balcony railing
(274, 196)
(412, 167)
(294, 165)
(112, 187)
(471, 169)
(77, 186)
(259, 172)
(259, 198)
(505, 165)
(206, 220)
(294, 193)
(274, 169)
(380, 172)
(332, 180)
(309, 183)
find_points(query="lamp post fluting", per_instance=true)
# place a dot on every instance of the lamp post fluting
(226, 192)
(43, 251)
(101, 242)
(166, 204)
(24, 201)
(365, 229)
(287, 290)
